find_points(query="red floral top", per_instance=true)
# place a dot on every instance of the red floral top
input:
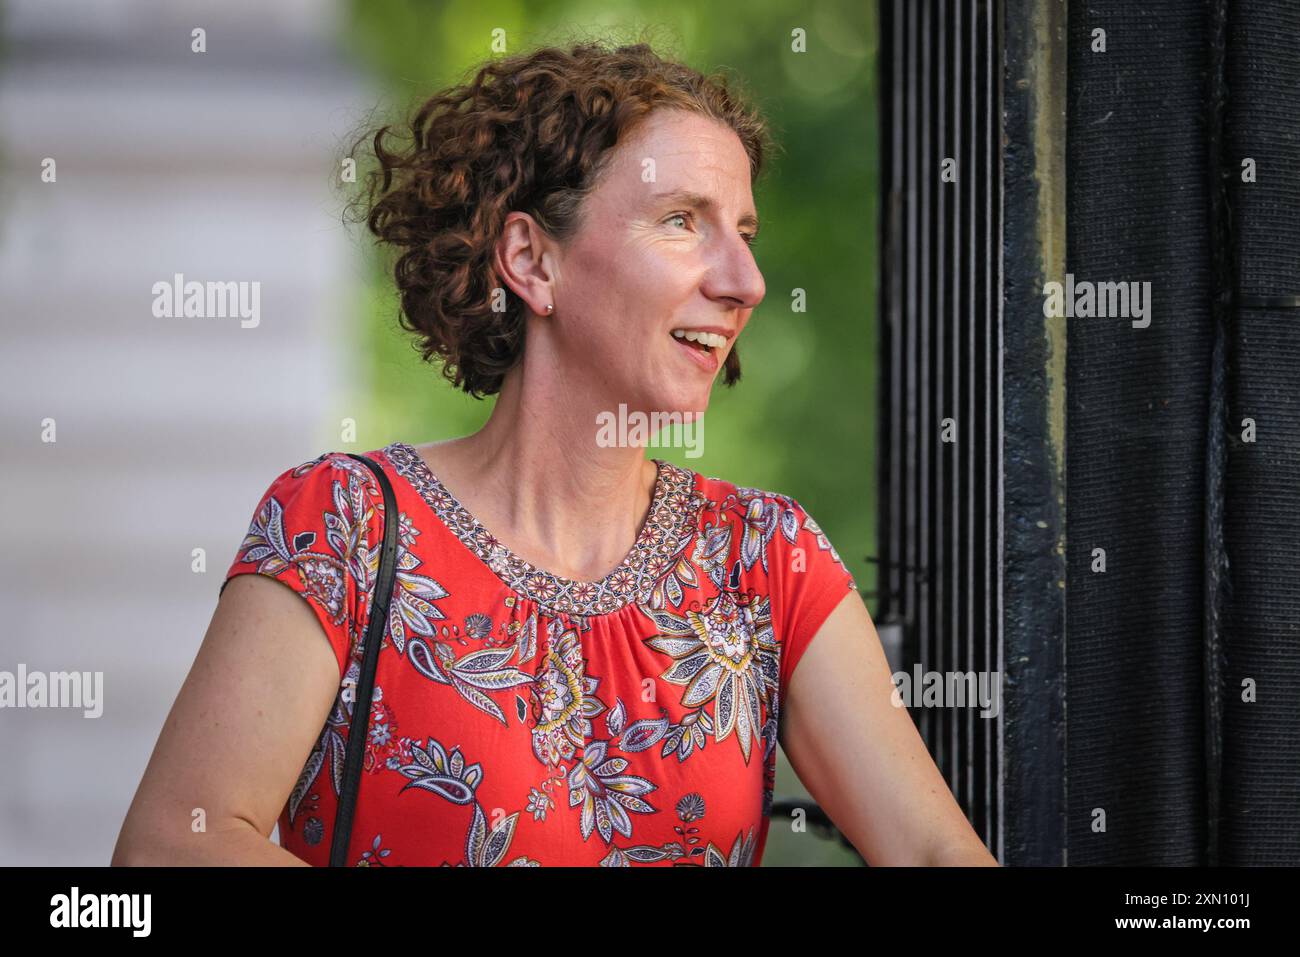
(523, 718)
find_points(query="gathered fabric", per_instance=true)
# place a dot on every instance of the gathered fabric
(522, 718)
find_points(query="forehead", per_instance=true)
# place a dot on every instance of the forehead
(676, 149)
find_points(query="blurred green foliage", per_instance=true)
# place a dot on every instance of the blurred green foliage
(800, 421)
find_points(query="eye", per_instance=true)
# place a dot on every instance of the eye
(684, 217)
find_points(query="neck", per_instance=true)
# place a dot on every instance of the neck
(540, 481)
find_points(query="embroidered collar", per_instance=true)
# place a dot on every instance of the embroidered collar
(668, 530)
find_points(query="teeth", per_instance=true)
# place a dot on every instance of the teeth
(712, 340)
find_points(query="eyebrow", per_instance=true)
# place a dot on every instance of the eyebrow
(694, 200)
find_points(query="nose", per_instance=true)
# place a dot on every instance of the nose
(734, 275)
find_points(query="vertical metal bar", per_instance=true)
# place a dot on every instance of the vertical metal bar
(945, 357)
(916, 651)
(957, 491)
(975, 384)
(994, 71)
(898, 453)
(940, 366)
(989, 132)
(953, 504)
(964, 411)
(925, 346)
(889, 573)
(910, 323)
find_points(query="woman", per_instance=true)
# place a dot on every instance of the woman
(589, 657)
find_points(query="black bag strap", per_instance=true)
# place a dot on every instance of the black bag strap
(359, 729)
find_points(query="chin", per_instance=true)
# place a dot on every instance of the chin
(688, 405)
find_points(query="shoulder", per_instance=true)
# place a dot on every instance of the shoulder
(738, 499)
(318, 528)
(329, 503)
(321, 473)
(761, 509)
(762, 522)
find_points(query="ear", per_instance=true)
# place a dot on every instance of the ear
(524, 260)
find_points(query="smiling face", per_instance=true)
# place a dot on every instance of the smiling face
(662, 246)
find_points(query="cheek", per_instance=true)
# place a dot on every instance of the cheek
(598, 276)
(625, 291)
(615, 286)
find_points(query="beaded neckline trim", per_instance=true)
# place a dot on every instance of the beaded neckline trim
(668, 529)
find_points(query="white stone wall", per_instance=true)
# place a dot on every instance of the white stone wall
(215, 165)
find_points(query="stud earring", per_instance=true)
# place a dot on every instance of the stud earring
(550, 308)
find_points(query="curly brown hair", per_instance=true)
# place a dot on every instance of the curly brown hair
(530, 132)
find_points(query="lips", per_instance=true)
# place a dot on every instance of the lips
(706, 360)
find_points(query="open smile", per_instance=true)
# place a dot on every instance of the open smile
(702, 348)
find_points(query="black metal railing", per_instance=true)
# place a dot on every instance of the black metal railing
(940, 401)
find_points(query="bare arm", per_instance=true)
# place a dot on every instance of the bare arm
(862, 758)
(243, 724)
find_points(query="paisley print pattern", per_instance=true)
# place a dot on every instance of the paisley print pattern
(524, 719)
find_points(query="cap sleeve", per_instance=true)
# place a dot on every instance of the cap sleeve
(318, 529)
(809, 581)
